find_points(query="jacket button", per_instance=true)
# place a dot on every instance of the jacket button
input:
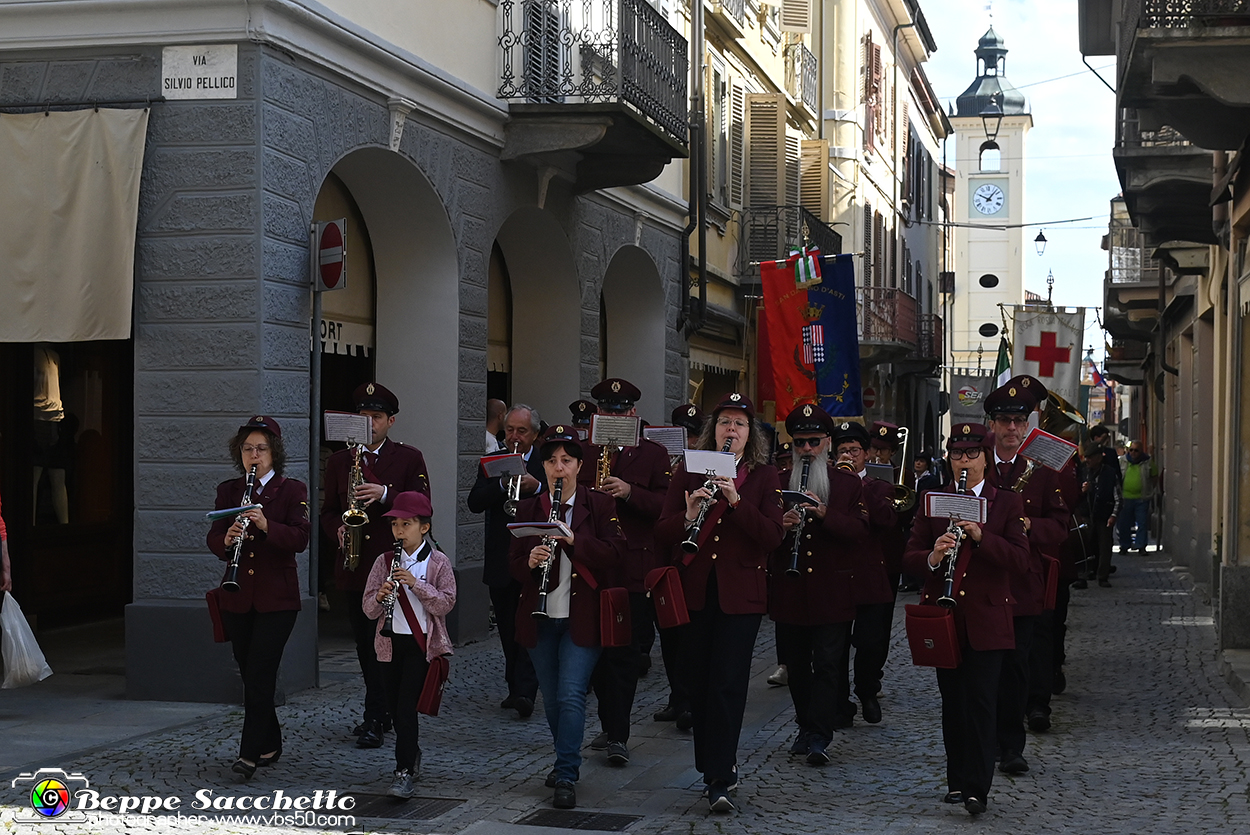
(809, 571)
(809, 553)
(367, 536)
(251, 571)
(718, 521)
(716, 539)
(961, 592)
(713, 556)
(574, 575)
(809, 536)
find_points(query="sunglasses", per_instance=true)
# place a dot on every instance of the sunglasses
(811, 442)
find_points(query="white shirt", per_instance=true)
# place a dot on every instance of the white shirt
(976, 491)
(559, 595)
(998, 460)
(492, 443)
(263, 480)
(417, 569)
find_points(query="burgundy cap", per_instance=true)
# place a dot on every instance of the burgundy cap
(884, 435)
(264, 422)
(376, 398)
(1018, 396)
(808, 417)
(615, 393)
(410, 504)
(970, 436)
(582, 410)
(735, 401)
(850, 431)
(690, 417)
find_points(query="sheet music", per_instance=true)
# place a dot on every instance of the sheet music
(506, 465)
(348, 427)
(881, 472)
(711, 462)
(1047, 449)
(615, 430)
(965, 508)
(672, 438)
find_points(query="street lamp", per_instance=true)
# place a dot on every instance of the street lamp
(1050, 287)
(1040, 243)
(992, 118)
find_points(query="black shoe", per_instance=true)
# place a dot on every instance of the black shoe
(953, 797)
(524, 706)
(686, 721)
(1080, 584)
(1012, 763)
(718, 798)
(1113, 569)
(600, 742)
(566, 795)
(842, 721)
(816, 754)
(1104, 584)
(262, 762)
(550, 782)
(618, 753)
(364, 726)
(372, 737)
(871, 709)
(1039, 721)
(668, 713)
(800, 742)
(1058, 682)
(1123, 550)
(508, 703)
(974, 806)
(243, 768)
(644, 665)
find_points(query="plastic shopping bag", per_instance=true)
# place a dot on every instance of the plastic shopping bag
(23, 660)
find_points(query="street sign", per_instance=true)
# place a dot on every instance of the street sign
(870, 397)
(331, 265)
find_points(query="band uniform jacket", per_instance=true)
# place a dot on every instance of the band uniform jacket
(488, 496)
(872, 577)
(984, 612)
(1072, 551)
(598, 547)
(646, 469)
(267, 578)
(736, 543)
(828, 555)
(401, 468)
(1048, 529)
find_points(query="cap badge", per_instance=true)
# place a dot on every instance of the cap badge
(258, 419)
(807, 411)
(1025, 382)
(690, 411)
(883, 431)
(616, 385)
(967, 429)
(559, 430)
(1012, 391)
(735, 397)
(369, 389)
(846, 426)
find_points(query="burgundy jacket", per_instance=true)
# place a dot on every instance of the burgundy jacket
(598, 547)
(829, 555)
(984, 614)
(1048, 520)
(872, 579)
(645, 467)
(267, 578)
(401, 468)
(735, 542)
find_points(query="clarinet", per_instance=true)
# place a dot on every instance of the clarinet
(231, 581)
(691, 544)
(793, 570)
(550, 542)
(947, 600)
(388, 603)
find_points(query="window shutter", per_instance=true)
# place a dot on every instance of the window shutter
(814, 177)
(796, 16)
(794, 141)
(737, 150)
(765, 149)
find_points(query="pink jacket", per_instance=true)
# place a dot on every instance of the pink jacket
(437, 594)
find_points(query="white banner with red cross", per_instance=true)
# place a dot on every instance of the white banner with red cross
(1046, 344)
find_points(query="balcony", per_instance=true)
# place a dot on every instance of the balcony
(801, 76)
(1124, 362)
(888, 325)
(1167, 182)
(1184, 63)
(731, 14)
(596, 89)
(1131, 285)
(769, 233)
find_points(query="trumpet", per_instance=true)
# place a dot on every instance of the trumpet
(388, 603)
(947, 600)
(231, 580)
(514, 488)
(354, 517)
(691, 544)
(793, 569)
(550, 541)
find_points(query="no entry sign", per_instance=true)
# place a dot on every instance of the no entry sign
(331, 266)
(870, 397)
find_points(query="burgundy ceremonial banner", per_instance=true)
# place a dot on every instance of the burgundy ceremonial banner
(784, 305)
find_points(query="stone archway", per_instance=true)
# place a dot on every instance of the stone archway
(633, 298)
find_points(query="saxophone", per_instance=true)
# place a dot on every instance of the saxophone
(1029, 466)
(388, 603)
(603, 470)
(354, 517)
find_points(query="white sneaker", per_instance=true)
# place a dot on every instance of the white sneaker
(401, 785)
(780, 678)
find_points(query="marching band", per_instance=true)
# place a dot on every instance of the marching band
(583, 528)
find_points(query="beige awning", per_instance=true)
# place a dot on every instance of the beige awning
(705, 360)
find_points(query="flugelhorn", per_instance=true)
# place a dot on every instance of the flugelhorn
(691, 543)
(231, 580)
(947, 600)
(544, 580)
(354, 517)
(793, 569)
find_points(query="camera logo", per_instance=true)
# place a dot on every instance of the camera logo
(50, 792)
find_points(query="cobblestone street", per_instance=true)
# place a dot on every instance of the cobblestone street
(1148, 738)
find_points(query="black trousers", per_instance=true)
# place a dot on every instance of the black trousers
(670, 648)
(363, 631)
(615, 679)
(518, 670)
(644, 627)
(716, 658)
(1047, 653)
(404, 676)
(258, 639)
(1013, 688)
(870, 635)
(811, 655)
(969, 711)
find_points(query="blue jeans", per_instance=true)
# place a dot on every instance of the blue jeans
(564, 670)
(1134, 511)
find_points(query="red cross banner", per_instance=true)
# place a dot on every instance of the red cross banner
(1046, 344)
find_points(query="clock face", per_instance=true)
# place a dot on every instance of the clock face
(988, 199)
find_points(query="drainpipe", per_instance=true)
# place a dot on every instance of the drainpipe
(692, 318)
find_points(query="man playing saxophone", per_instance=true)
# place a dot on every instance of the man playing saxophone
(387, 468)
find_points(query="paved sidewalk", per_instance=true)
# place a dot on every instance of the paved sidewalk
(1147, 739)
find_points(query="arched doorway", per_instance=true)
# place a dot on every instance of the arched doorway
(546, 300)
(633, 327)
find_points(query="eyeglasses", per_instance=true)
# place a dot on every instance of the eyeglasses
(741, 424)
(1012, 420)
(812, 442)
(248, 449)
(851, 450)
(970, 454)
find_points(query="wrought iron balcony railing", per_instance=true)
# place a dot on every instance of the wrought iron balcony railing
(801, 76)
(737, 9)
(1131, 262)
(929, 337)
(1132, 136)
(1177, 14)
(768, 233)
(887, 314)
(593, 52)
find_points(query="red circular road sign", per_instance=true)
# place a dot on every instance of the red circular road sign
(330, 255)
(870, 397)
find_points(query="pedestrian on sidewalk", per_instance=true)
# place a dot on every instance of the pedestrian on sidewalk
(420, 578)
(1102, 502)
(1141, 473)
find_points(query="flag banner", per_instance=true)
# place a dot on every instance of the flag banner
(1002, 365)
(968, 393)
(809, 337)
(1047, 345)
(807, 267)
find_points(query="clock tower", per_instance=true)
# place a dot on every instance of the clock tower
(989, 206)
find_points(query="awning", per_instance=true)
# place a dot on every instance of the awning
(705, 360)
